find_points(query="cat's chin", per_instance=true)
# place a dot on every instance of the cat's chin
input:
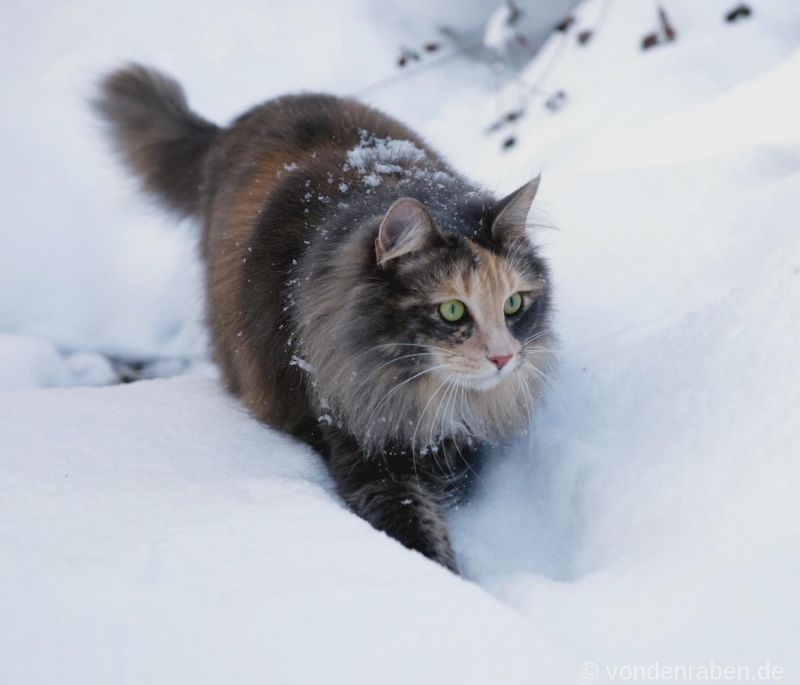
(486, 383)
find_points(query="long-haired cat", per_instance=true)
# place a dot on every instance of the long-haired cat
(361, 294)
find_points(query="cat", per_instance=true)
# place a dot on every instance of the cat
(362, 296)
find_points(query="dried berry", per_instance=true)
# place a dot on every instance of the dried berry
(649, 41)
(739, 12)
(564, 25)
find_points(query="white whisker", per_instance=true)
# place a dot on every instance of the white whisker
(422, 414)
(400, 385)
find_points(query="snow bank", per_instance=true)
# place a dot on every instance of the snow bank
(214, 551)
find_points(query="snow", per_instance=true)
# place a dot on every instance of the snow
(153, 532)
(383, 155)
(35, 363)
(215, 552)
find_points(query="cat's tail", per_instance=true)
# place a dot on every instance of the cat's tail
(159, 138)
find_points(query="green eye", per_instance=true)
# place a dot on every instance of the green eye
(452, 310)
(513, 304)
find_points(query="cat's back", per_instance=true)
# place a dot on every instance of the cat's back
(270, 150)
(296, 131)
(316, 121)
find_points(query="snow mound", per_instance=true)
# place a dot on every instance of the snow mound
(215, 552)
(35, 363)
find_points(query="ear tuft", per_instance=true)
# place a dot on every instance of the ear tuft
(407, 227)
(514, 208)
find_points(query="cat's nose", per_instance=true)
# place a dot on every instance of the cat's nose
(499, 360)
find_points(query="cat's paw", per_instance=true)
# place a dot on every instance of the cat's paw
(424, 533)
(447, 558)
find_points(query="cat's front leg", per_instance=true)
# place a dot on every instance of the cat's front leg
(393, 499)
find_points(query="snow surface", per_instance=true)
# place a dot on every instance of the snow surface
(153, 532)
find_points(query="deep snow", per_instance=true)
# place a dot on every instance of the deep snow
(154, 533)
(214, 551)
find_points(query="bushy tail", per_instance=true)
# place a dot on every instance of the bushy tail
(159, 137)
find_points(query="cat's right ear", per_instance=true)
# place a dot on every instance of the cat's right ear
(407, 227)
(512, 219)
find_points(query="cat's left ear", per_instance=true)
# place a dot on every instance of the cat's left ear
(407, 227)
(512, 218)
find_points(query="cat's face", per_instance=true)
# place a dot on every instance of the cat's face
(489, 308)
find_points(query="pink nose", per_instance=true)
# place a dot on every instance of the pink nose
(500, 360)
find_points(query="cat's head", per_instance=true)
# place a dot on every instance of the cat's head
(476, 297)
